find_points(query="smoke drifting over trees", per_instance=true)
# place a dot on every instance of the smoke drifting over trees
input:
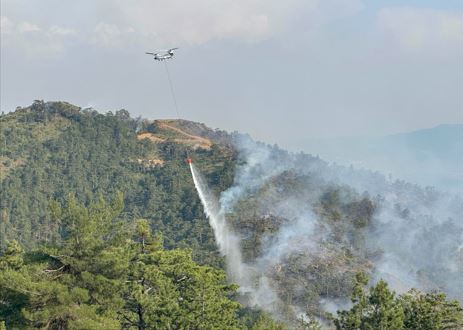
(313, 214)
(291, 230)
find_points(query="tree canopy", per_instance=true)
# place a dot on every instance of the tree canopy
(105, 276)
(76, 253)
(380, 308)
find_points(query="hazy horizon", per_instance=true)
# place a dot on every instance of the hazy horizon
(281, 72)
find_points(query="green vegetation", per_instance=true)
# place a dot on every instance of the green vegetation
(52, 149)
(75, 254)
(105, 276)
(380, 308)
(305, 278)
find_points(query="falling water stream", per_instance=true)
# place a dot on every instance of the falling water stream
(227, 241)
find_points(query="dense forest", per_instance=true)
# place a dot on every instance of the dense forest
(101, 228)
(51, 150)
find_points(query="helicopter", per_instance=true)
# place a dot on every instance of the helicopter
(163, 55)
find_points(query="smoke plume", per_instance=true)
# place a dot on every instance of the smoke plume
(413, 239)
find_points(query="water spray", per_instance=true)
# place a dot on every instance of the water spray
(227, 241)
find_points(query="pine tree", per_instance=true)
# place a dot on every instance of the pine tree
(379, 308)
(104, 276)
(11, 276)
(430, 311)
(167, 290)
(12, 257)
(384, 311)
(375, 309)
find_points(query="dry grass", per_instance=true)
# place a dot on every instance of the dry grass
(189, 139)
(150, 136)
(169, 132)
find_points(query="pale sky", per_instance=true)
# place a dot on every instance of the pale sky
(282, 71)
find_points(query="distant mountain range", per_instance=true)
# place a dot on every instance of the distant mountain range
(429, 157)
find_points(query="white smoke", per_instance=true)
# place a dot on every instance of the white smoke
(260, 293)
(421, 241)
(260, 164)
(419, 232)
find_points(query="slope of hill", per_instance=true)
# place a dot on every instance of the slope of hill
(306, 227)
(50, 150)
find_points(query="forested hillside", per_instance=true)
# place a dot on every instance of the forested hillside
(52, 150)
(83, 192)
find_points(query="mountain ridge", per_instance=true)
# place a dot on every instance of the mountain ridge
(306, 227)
(436, 151)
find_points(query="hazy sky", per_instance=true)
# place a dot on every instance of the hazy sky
(283, 71)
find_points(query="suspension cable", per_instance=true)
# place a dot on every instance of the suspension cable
(172, 90)
(174, 99)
